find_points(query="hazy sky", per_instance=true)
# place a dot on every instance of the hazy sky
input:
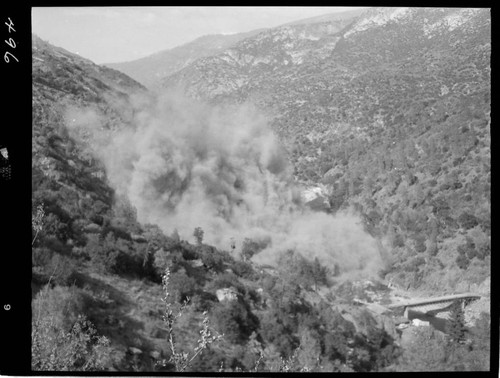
(117, 34)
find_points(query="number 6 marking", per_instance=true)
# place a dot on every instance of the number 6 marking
(6, 57)
(11, 43)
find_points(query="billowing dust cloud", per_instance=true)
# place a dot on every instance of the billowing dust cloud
(185, 165)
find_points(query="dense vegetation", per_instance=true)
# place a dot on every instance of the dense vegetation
(417, 168)
(417, 164)
(393, 120)
(90, 255)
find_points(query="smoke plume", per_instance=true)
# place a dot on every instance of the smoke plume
(185, 165)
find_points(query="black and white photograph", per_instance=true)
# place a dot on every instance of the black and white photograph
(258, 189)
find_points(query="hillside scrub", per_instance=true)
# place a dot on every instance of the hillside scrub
(125, 184)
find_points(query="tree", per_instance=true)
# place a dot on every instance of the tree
(309, 351)
(103, 253)
(433, 225)
(235, 320)
(425, 352)
(198, 234)
(181, 286)
(37, 221)
(171, 316)
(79, 349)
(62, 339)
(467, 220)
(320, 273)
(456, 328)
(251, 247)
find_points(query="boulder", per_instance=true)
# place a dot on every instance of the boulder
(135, 351)
(154, 354)
(419, 323)
(138, 238)
(229, 294)
(316, 198)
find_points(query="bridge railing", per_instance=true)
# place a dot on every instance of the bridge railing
(446, 298)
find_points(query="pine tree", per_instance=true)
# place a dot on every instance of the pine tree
(198, 234)
(319, 273)
(456, 328)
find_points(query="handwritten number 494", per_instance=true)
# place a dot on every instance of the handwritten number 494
(10, 42)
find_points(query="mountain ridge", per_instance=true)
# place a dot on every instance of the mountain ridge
(151, 68)
(341, 97)
(389, 124)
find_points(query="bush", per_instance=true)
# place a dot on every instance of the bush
(102, 253)
(189, 251)
(420, 243)
(235, 320)
(79, 349)
(198, 235)
(425, 352)
(211, 258)
(182, 286)
(251, 247)
(182, 360)
(467, 221)
(226, 280)
(466, 251)
(41, 257)
(296, 269)
(204, 301)
(61, 337)
(61, 269)
(243, 269)
(456, 329)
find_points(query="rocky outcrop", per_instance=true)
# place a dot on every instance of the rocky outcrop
(227, 294)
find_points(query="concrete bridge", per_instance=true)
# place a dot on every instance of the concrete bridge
(433, 306)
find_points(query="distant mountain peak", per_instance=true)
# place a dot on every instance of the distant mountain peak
(150, 69)
(377, 17)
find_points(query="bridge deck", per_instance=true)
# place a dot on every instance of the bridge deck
(434, 300)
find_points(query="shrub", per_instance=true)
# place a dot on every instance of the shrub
(101, 258)
(420, 243)
(204, 301)
(61, 338)
(456, 329)
(61, 269)
(182, 361)
(398, 241)
(211, 258)
(251, 247)
(243, 269)
(189, 251)
(79, 349)
(226, 280)
(235, 320)
(182, 286)
(468, 249)
(425, 352)
(467, 221)
(198, 235)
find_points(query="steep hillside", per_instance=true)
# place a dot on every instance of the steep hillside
(346, 15)
(93, 261)
(391, 112)
(68, 180)
(151, 69)
(259, 64)
(387, 113)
